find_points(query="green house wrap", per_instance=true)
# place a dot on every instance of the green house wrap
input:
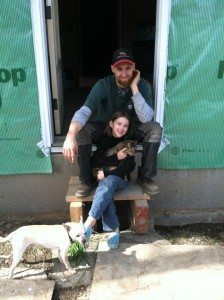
(194, 98)
(20, 126)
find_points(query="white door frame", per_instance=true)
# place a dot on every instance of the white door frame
(54, 48)
(163, 12)
(163, 16)
(42, 69)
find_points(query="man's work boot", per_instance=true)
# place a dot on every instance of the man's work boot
(148, 185)
(84, 189)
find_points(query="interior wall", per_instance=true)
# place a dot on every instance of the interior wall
(69, 33)
(98, 36)
(138, 19)
(134, 13)
(92, 30)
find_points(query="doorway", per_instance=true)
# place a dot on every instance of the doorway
(90, 31)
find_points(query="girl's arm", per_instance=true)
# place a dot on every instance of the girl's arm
(100, 160)
(125, 167)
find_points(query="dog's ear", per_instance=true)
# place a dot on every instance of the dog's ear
(66, 225)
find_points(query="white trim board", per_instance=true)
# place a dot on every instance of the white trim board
(42, 69)
(163, 12)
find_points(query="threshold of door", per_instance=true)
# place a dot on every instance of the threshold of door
(58, 144)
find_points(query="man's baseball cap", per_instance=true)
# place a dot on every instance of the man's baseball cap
(122, 55)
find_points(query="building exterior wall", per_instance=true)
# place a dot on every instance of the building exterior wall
(189, 196)
(36, 194)
(186, 196)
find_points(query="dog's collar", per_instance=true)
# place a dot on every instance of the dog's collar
(71, 240)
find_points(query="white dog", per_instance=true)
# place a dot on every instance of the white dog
(49, 236)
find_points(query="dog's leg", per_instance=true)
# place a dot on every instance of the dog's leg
(59, 256)
(64, 257)
(16, 259)
(17, 255)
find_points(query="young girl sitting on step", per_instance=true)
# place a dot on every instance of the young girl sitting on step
(117, 130)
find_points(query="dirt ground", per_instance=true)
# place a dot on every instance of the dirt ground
(194, 234)
(39, 257)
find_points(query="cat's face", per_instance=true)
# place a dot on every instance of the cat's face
(130, 148)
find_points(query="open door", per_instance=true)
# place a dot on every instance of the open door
(55, 63)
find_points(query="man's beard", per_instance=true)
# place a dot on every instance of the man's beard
(124, 84)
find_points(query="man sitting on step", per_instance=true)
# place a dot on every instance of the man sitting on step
(126, 91)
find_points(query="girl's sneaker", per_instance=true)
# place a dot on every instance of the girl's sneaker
(88, 233)
(113, 240)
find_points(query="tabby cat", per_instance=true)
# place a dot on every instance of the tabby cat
(130, 150)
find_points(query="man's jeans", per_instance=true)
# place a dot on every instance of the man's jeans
(103, 202)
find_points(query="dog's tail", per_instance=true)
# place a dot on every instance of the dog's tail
(5, 239)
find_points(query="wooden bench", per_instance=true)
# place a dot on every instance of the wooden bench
(133, 193)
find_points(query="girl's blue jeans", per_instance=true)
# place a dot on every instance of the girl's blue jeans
(103, 202)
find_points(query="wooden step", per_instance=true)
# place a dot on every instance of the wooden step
(133, 193)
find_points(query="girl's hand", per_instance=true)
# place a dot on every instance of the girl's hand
(121, 154)
(100, 175)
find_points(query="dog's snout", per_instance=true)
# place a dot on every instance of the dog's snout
(84, 240)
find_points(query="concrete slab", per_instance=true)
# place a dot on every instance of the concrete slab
(26, 289)
(71, 278)
(80, 274)
(146, 238)
(159, 272)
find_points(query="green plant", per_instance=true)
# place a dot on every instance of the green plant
(77, 252)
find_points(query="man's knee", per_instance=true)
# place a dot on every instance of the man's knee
(83, 136)
(89, 133)
(153, 132)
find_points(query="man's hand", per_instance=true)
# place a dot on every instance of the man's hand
(135, 81)
(121, 154)
(70, 148)
(100, 175)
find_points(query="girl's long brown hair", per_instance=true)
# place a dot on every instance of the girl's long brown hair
(118, 114)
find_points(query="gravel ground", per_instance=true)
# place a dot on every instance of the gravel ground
(39, 257)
